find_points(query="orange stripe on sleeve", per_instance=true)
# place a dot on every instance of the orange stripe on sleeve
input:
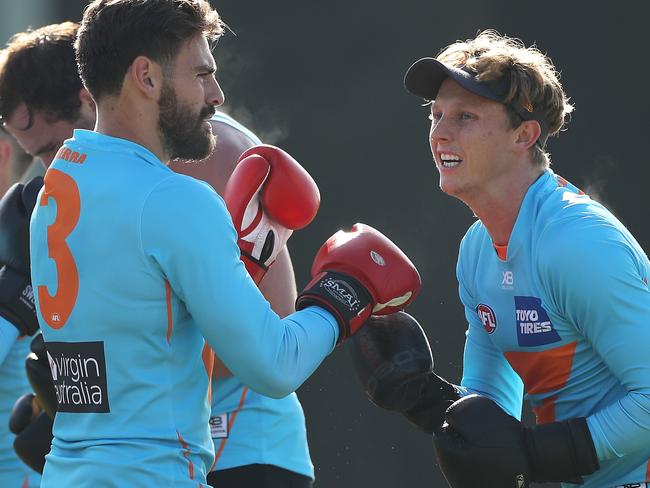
(168, 300)
(186, 454)
(208, 361)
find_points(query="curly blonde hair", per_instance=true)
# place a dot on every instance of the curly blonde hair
(534, 80)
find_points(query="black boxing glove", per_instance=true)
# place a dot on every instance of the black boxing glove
(23, 413)
(393, 361)
(33, 443)
(481, 445)
(39, 375)
(16, 294)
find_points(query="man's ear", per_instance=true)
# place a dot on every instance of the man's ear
(146, 76)
(87, 103)
(527, 134)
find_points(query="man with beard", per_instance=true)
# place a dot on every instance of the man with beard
(244, 450)
(133, 264)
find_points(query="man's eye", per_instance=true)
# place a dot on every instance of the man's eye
(435, 116)
(466, 116)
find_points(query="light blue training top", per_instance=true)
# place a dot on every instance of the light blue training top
(249, 428)
(13, 384)
(134, 265)
(565, 319)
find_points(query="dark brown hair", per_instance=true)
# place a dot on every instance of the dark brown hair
(38, 68)
(114, 32)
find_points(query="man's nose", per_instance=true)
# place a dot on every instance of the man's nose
(440, 129)
(214, 95)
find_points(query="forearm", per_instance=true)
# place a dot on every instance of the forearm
(273, 356)
(622, 427)
(279, 287)
(285, 353)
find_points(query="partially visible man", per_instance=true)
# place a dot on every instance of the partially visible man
(13, 347)
(555, 291)
(134, 265)
(15, 163)
(41, 110)
(41, 101)
(259, 441)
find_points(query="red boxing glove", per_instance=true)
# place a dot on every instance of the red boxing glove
(359, 273)
(269, 195)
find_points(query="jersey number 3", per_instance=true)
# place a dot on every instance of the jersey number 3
(63, 189)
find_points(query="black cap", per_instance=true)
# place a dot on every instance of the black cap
(426, 75)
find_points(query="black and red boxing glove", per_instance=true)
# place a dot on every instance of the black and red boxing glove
(481, 445)
(269, 195)
(359, 273)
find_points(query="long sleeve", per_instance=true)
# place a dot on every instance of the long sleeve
(598, 276)
(200, 258)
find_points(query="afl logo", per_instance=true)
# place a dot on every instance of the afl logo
(488, 317)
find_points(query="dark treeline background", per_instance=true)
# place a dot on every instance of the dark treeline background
(324, 81)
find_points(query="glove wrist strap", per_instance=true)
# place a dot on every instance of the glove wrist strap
(561, 451)
(435, 395)
(17, 301)
(345, 297)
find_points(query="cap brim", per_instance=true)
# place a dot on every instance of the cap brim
(426, 75)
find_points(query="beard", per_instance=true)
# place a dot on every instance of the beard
(182, 132)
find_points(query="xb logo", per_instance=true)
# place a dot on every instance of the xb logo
(508, 278)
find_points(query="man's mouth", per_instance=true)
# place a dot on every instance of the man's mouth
(207, 113)
(448, 160)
